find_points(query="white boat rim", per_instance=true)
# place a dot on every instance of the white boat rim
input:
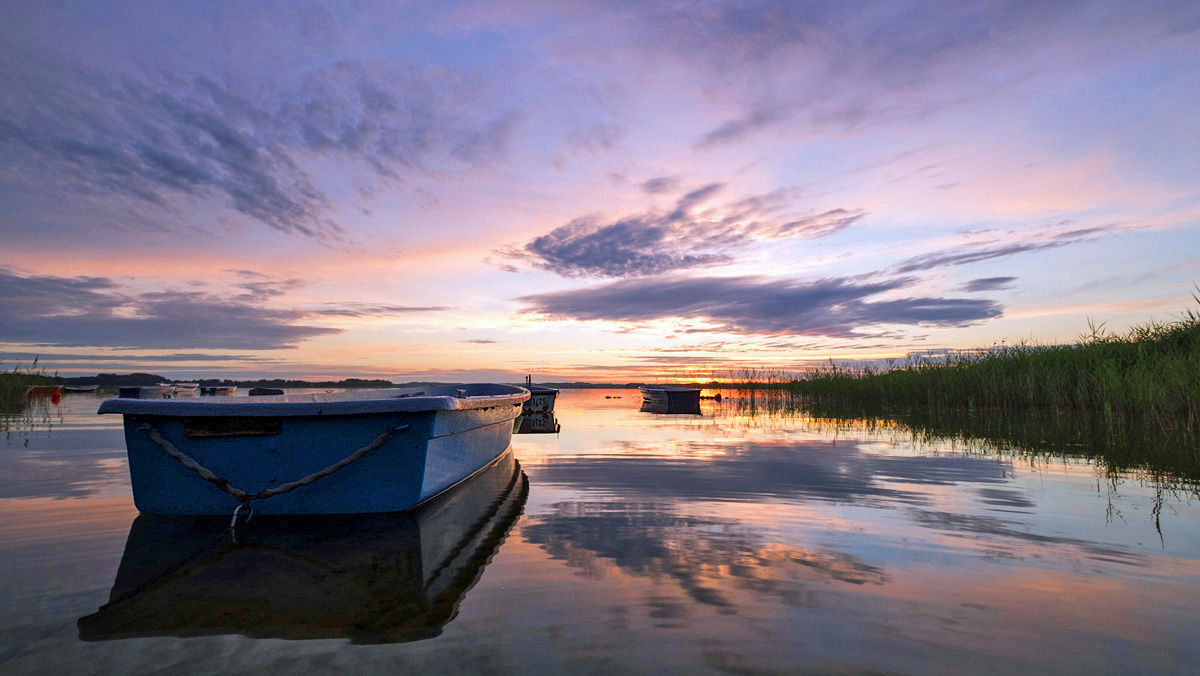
(355, 402)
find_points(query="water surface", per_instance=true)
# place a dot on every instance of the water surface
(630, 542)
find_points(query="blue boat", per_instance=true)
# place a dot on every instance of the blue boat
(342, 453)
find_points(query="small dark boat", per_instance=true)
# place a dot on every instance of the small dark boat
(369, 578)
(218, 391)
(670, 399)
(537, 414)
(265, 391)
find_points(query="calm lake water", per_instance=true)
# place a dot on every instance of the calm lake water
(628, 543)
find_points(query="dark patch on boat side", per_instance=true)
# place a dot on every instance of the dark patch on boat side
(231, 427)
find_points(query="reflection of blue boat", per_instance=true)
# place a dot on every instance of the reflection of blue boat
(670, 399)
(350, 452)
(376, 578)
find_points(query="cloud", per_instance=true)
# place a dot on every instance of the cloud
(988, 284)
(1040, 242)
(789, 66)
(928, 261)
(481, 341)
(819, 225)
(76, 132)
(629, 247)
(836, 307)
(95, 311)
(70, 357)
(260, 287)
(660, 184)
(657, 242)
(350, 309)
(736, 129)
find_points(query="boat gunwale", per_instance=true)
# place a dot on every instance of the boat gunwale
(398, 400)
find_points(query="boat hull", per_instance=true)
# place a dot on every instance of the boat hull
(670, 400)
(427, 452)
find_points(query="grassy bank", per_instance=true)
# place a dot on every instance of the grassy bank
(1150, 373)
(14, 383)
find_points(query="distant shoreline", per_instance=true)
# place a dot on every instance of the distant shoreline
(106, 380)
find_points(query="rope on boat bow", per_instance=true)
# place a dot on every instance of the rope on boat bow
(242, 496)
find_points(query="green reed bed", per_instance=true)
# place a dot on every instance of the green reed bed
(1149, 373)
(15, 383)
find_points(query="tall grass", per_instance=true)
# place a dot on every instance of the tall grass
(1150, 373)
(15, 383)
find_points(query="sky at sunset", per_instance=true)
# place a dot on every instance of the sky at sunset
(595, 191)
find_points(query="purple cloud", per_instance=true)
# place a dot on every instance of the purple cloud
(96, 311)
(81, 133)
(836, 307)
(655, 242)
(987, 284)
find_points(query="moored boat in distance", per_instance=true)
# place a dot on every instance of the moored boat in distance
(349, 452)
(43, 391)
(670, 399)
(218, 391)
(146, 392)
(537, 414)
(67, 389)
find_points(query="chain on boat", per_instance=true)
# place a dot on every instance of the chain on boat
(244, 497)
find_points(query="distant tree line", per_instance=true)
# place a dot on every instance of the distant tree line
(142, 379)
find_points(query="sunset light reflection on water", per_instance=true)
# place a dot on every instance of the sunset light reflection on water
(651, 543)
